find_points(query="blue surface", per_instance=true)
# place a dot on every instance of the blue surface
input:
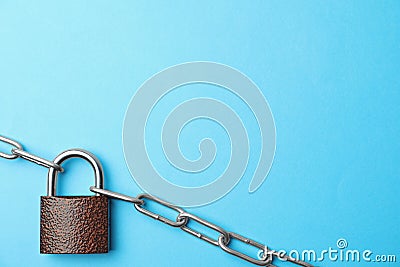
(329, 70)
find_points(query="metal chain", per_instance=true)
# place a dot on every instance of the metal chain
(181, 221)
(19, 152)
(183, 218)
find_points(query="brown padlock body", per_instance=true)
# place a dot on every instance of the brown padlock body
(74, 224)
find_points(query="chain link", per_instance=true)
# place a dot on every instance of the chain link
(19, 152)
(179, 222)
(13, 143)
(191, 217)
(266, 257)
(116, 195)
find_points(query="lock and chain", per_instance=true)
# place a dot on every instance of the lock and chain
(265, 257)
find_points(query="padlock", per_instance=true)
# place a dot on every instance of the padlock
(74, 224)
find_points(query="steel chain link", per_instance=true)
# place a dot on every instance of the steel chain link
(19, 152)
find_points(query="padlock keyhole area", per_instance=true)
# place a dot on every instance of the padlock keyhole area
(76, 179)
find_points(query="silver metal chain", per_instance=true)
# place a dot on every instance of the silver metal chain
(265, 257)
(18, 152)
(183, 218)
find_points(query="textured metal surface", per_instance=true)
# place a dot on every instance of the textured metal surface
(74, 225)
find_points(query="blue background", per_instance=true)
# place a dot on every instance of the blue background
(329, 70)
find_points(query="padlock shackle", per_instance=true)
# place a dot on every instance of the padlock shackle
(75, 153)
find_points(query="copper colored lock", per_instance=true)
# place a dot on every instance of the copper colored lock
(74, 224)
